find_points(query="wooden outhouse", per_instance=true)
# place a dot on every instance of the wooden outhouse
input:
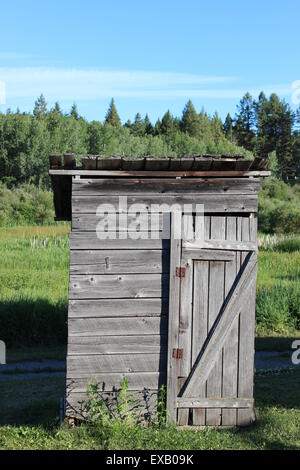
(168, 298)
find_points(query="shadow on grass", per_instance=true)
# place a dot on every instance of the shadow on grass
(275, 343)
(31, 401)
(278, 389)
(257, 437)
(36, 353)
(33, 330)
(36, 401)
(33, 322)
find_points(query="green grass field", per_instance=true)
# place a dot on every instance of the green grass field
(33, 307)
(34, 285)
(278, 292)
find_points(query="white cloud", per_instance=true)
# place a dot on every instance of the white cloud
(64, 84)
(77, 84)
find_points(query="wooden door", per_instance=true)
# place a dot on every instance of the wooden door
(211, 320)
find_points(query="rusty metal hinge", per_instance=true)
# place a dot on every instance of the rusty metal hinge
(180, 272)
(177, 353)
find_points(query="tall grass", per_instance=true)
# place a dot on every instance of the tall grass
(278, 287)
(278, 308)
(279, 208)
(26, 204)
(34, 285)
(283, 243)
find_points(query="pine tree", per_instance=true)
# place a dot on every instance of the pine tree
(268, 112)
(259, 106)
(263, 146)
(204, 125)
(227, 127)
(296, 142)
(149, 129)
(177, 122)
(275, 121)
(95, 139)
(167, 124)
(40, 107)
(56, 109)
(112, 116)
(284, 149)
(138, 126)
(296, 152)
(190, 120)
(217, 128)
(244, 123)
(74, 113)
(157, 127)
(54, 123)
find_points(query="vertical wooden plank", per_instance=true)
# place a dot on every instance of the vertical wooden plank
(253, 227)
(216, 298)
(207, 223)
(245, 234)
(246, 339)
(207, 236)
(174, 302)
(239, 238)
(230, 351)
(185, 317)
(200, 227)
(200, 309)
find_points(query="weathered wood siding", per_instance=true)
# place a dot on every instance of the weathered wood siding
(119, 292)
(118, 302)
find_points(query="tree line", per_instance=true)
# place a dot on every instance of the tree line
(267, 126)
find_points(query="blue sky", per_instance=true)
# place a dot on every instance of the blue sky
(149, 56)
